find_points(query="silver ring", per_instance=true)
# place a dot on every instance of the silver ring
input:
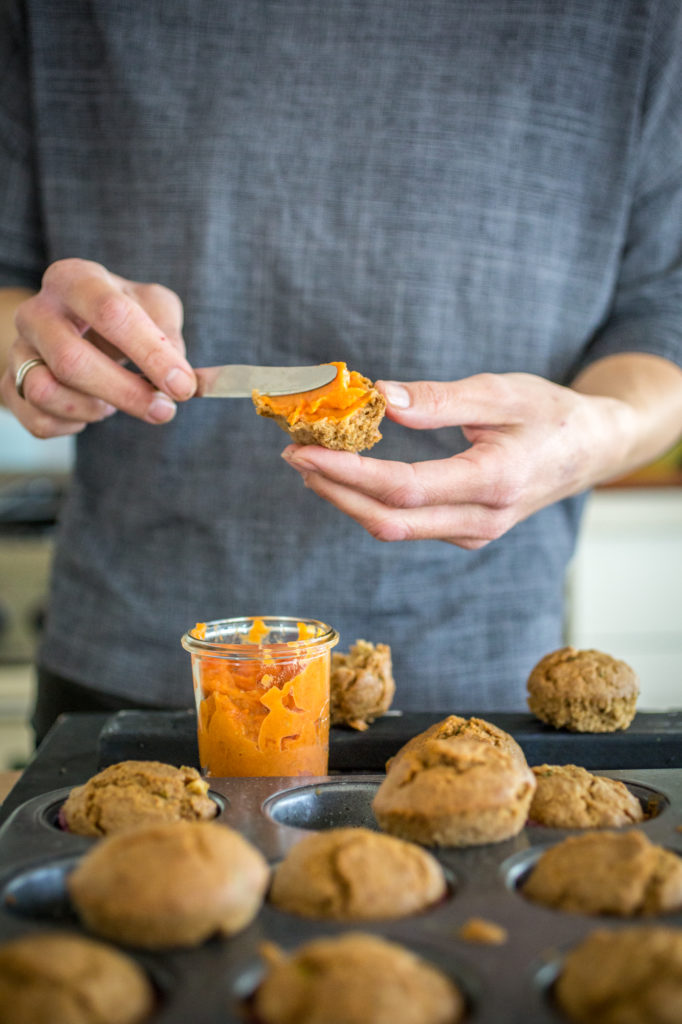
(23, 370)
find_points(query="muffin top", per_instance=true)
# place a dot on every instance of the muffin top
(464, 728)
(454, 775)
(633, 975)
(62, 978)
(568, 796)
(583, 690)
(361, 684)
(606, 872)
(171, 884)
(367, 980)
(132, 792)
(351, 874)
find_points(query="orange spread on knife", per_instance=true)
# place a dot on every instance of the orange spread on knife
(343, 396)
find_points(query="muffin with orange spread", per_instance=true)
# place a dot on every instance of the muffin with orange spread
(344, 414)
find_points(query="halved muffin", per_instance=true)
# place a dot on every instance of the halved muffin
(344, 414)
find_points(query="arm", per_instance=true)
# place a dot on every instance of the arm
(532, 443)
(85, 323)
(646, 395)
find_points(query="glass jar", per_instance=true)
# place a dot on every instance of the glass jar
(261, 686)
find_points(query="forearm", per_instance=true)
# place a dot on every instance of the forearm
(10, 300)
(643, 404)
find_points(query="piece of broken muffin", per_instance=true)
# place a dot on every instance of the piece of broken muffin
(344, 414)
(362, 686)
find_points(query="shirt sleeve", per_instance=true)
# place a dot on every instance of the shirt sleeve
(22, 250)
(646, 315)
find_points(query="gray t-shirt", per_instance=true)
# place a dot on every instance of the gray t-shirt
(424, 190)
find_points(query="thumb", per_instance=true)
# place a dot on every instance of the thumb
(422, 404)
(486, 399)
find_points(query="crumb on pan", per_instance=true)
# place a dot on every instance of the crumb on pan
(480, 930)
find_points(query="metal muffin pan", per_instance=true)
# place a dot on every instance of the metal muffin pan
(507, 983)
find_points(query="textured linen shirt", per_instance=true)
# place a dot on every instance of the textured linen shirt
(424, 190)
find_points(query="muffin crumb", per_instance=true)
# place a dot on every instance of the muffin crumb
(479, 930)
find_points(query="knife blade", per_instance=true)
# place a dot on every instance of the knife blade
(238, 380)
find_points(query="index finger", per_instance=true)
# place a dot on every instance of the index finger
(97, 298)
(455, 480)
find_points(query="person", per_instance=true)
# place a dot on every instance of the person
(477, 205)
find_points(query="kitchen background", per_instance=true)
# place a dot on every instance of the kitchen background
(624, 591)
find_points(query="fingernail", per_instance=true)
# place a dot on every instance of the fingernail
(397, 396)
(180, 383)
(161, 409)
(108, 410)
(293, 457)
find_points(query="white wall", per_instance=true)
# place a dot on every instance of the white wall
(625, 591)
(20, 452)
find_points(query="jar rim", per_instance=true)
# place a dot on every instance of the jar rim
(244, 650)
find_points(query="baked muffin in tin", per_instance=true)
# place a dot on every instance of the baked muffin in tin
(606, 872)
(633, 975)
(62, 978)
(365, 978)
(568, 796)
(132, 792)
(169, 885)
(354, 874)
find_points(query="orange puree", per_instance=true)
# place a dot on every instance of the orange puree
(264, 716)
(343, 396)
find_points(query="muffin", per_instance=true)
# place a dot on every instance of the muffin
(455, 792)
(60, 978)
(354, 874)
(583, 691)
(366, 980)
(361, 684)
(344, 414)
(133, 792)
(464, 728)
(631, 976)
(618, 873)
(571, 797)
(171, 884)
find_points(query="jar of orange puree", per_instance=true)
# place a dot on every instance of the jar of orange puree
(261, 687)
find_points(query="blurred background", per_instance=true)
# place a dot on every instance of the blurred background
(624, 589)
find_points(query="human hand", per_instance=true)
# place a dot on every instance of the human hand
(532, 443)
(85, 323)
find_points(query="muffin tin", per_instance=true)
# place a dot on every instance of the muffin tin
(212, 984)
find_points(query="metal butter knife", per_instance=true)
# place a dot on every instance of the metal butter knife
(239, 380)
